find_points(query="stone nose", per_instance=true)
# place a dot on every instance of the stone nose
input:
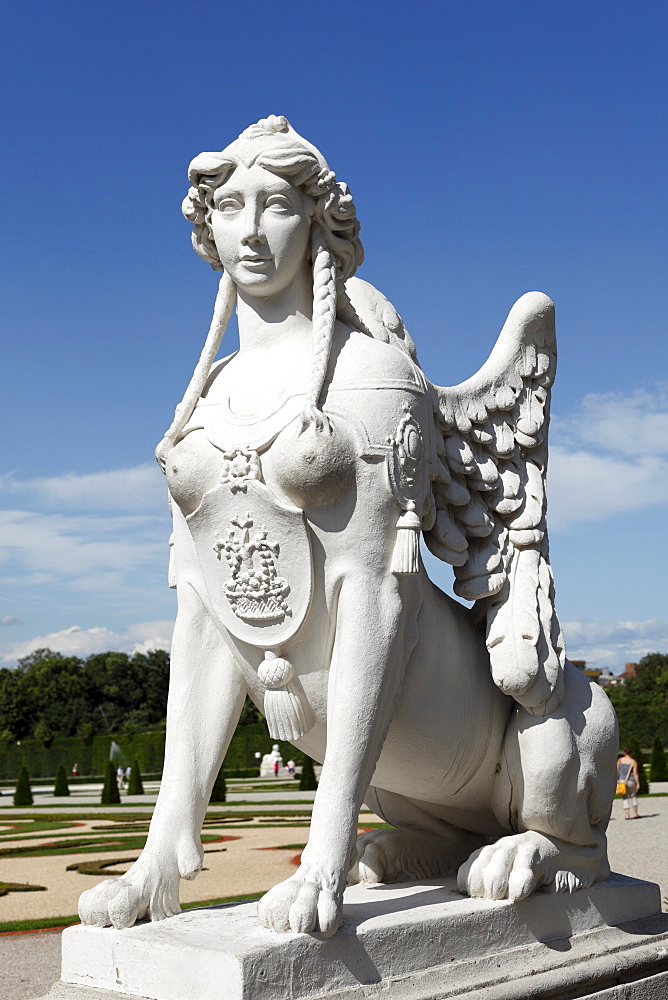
(251, 233)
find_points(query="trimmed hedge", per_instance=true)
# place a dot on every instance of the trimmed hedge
(307, 781)
(219, 790)
(110, 793)
(148, 749)
(658, 769)
(135, 784)
(61, 787)
(91, 757)
(23, 793)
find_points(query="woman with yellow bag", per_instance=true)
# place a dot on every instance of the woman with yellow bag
(628, 782)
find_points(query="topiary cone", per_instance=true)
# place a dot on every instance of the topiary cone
(61, 787)
(110, 793)
(219, 790)
(23, 793)
(308, 782)
(135, 785)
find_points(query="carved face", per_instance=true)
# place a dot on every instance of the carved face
(261, 227)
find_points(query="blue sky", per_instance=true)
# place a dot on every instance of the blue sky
(491, 148)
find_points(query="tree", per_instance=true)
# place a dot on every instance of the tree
(135, 785)
(153, 669)
(219, 790)
(110, 793)
(115, 687)
(658, 770)
(641, 702)
(86, 732)
(16, 721)
(42, 732)
(652, 674)
(23, 793)
(250, 714)
(639, 757)
(308, 782)
(61, 787)
(55, 691)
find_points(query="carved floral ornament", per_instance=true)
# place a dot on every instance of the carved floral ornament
(255, 590)
(239, 467)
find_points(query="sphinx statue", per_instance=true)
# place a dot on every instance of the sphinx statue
(304, 471)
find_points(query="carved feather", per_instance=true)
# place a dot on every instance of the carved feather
(441, 551)
(475, 517)
(458, 453)
(448, 533)
(456, 491)
(491, 503)
(504, 439)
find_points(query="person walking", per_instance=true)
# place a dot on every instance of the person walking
(627, 774)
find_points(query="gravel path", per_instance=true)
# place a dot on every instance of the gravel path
(29, 965)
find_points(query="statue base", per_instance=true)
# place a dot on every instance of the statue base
(415, 941)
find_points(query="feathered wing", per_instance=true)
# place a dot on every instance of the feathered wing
(379, 317)
(489, 492)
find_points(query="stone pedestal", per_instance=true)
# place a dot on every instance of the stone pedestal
(417, 941)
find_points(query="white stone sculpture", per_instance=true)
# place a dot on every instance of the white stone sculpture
(269, 760)
(303, 471)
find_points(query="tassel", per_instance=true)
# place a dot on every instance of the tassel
(289, 715)
(171, 571)
(406, 555)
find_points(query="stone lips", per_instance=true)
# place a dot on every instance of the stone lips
(255, 556)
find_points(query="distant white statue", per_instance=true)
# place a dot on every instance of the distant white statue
(303, 471)
(269, 762)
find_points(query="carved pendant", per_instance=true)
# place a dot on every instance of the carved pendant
(406, 461)
(255, 560)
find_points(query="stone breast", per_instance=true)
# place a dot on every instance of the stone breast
(363, 395)
(314, 468)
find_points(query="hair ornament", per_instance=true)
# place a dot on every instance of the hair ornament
(271, 124)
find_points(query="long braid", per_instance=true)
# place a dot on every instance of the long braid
(222, 311)
(324, 317)
(346, 311)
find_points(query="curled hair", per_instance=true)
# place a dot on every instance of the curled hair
(335, 212)
(336, 251)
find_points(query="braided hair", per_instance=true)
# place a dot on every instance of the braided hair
(336, 249)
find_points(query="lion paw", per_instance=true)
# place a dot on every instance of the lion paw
(150, 888)
(303, 903)
(514, 867)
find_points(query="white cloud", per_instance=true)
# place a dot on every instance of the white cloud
(612, 644)
(75, 641)
(140, 488)
(634, 423)
(102, 532)
(584, 486)
(84, 549)
(609, 457)
(10, 620)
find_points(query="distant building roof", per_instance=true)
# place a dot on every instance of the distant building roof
(628, 673)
